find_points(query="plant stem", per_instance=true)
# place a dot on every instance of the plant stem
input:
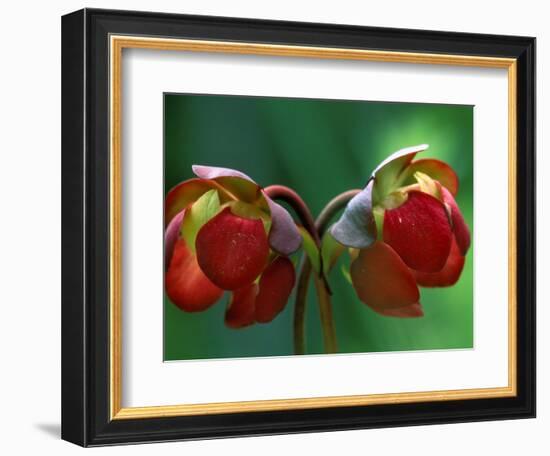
(329, 335)
(332, 208)
(325, 311)
(316, 230)
(289, 196)
(300, 306)
(302, 211)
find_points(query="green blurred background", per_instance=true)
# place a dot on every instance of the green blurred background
(320, 148)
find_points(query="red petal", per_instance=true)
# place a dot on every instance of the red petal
(412, 311)
(276, 284)
(419, 231)
(436, 169)
(460, 229)
(448, 276)
(186, 285)
(232, 250)
(240, 312)
(382, 280)
(182, 195)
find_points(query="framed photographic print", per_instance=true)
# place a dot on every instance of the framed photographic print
(276, 227)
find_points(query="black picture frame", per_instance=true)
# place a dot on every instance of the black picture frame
(85, 224)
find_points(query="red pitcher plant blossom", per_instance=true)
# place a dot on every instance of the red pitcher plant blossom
(224, 233)
(404, 229)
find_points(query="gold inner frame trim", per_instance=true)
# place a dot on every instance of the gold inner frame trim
(117, 44)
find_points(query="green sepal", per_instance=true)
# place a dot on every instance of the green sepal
(331, 250)
(427, 184)
(311, 249)
(241, 189)
(345, 272)
(394, 199)
(202, 210)
(388, 173)
(250, 211)
(378, 213)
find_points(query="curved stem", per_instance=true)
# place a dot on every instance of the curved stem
(321, 225)
(300, 306)
(289, 196)
(334, 206)
(316, 230)
(325, 311)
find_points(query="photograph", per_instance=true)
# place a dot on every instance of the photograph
(389, 266)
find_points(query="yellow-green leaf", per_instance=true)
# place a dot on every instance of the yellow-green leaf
(388, 172)
(427, 184)
(311, 250)
(250, 211)
(206, 207)
(346, 274)
(331, 249)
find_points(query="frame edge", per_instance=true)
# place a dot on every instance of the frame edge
(73, 302)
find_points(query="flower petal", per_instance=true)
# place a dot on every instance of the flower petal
(241, 310)
(412, 311)
(357, 228)
(238, 184)
(171, 235)
(284, 236)
(419, 231)
(182, 195)
(330, 252)
(387, 172)
(382, 280)
(460, 229)
(213, 172)
(436, 169)
(232, 250)
(185, 283)
(311, 250)
(448, 276)
(276, 284)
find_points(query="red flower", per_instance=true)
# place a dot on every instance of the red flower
(224, 233)
(405, 229)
